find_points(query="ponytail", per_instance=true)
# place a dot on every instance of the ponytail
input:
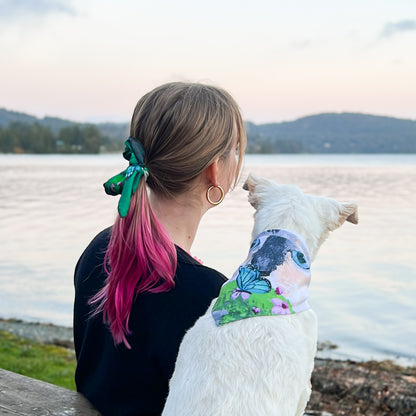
(140, 258)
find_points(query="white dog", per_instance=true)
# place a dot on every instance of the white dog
(229, 365)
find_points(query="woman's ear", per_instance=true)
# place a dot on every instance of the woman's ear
(211, 173)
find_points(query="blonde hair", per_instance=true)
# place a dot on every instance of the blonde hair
(184, 127)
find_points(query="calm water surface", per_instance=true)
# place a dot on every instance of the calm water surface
(363, 280)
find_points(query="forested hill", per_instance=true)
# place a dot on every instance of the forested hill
(23, 133)
(322, 133)
(110, 130)
(334, 133)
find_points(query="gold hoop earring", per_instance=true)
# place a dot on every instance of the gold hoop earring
(221, 198)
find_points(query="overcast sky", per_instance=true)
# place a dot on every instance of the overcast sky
(91, 60)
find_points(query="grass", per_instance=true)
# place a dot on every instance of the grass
(50, 363)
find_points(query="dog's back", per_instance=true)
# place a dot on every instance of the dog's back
(245, 367)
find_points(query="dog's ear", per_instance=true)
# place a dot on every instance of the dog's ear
(350, 211)
(341, 212)
(250, 182)
(250, 186)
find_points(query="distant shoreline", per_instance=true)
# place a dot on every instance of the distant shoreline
(330, 132)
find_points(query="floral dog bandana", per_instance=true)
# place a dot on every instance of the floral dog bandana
(273, 280)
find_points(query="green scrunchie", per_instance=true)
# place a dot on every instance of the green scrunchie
(126, 182)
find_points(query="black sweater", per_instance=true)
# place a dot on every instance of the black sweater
(119, 381)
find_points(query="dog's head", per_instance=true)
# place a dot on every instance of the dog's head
(287, 207)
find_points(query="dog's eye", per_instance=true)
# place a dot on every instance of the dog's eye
(299, 259)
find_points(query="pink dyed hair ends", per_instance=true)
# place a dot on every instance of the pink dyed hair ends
(140, 258)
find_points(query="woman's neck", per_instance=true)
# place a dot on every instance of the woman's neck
(180, 216)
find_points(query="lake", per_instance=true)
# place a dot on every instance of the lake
(363, 280)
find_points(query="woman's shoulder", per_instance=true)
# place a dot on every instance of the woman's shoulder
(101, 239)
(92, 259)
(185, 259)
(98, 244)
(192, 275)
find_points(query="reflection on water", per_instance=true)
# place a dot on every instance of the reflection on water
(363, 280)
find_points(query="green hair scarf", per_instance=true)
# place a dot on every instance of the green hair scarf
(125, 183)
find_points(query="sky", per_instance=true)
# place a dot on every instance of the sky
(91, 60)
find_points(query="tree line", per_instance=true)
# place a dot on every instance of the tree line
(334, 133)
(20, 137)
(322, 133)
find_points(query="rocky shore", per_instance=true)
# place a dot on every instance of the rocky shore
(339, 387)
(362, 388)
(46, 333)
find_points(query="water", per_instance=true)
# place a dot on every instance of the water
(363, 280)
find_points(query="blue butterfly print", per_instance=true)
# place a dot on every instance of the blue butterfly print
(248, 282)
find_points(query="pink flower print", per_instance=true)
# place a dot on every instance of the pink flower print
(279, 291)
(280, 307)
(256, 310)
(237, 292)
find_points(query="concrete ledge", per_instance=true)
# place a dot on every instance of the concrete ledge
(20, 395)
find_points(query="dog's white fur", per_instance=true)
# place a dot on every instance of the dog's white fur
(259, 366)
